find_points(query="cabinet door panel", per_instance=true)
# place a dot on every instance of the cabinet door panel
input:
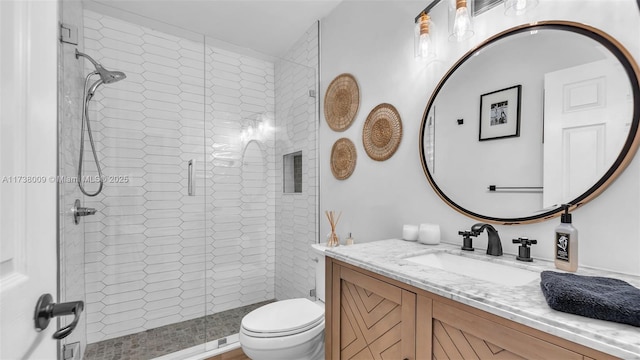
(457, 344)
(377, 320)
(488, 339)
(372, 309)
(453, 341)
(372, 285)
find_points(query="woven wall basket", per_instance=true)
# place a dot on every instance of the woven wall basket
(382, 132)
(341, 102)
(343, 158)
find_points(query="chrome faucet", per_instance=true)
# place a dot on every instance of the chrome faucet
(494, 246)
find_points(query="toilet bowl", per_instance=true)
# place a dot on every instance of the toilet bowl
(287, 329)
(290, 329)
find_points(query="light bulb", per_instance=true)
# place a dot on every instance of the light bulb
(426, 45)
(462, 24)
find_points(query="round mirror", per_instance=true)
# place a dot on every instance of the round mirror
(535, 117)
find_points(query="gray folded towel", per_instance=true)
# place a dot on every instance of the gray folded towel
(592, 296)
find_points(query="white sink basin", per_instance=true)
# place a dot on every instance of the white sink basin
(477, 269)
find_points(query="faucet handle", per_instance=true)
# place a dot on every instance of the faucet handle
(467, 242)
(524, 251)
(524, 241)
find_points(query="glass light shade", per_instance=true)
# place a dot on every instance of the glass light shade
(425, 46)
(460, 20)
(424, 40)
(518, 7)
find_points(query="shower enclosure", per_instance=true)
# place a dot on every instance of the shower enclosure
(192, 228)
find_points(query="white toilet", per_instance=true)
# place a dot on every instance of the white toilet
(288, 329)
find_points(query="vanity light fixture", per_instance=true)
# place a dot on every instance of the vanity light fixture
(460, 21)
(518, 7)
(424, 44)
(461, 14)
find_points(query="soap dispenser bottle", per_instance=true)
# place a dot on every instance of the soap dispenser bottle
(566, 243)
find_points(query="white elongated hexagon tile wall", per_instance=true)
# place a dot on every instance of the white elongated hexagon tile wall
(151, 250)
(153, 255)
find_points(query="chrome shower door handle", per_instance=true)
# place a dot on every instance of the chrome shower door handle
(190, 177)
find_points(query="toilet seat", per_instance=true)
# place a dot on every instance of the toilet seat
(283, 347)
(283, 318)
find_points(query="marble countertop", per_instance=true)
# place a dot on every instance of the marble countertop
(524, 304)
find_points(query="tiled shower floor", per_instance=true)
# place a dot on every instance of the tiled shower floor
(171, 338)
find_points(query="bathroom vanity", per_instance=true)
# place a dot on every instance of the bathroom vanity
(381, 305)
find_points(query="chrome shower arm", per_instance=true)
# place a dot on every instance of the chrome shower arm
(95, 63)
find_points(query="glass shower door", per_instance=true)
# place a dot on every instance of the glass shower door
(240, 147)
(258, 248)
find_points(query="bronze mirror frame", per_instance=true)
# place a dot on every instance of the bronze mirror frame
(624, 157)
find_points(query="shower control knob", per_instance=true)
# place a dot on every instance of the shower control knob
(79, 211)
(82, 211)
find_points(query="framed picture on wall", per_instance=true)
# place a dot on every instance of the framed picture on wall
(500, 114)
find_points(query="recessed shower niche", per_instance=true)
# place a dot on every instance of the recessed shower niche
(292, 172)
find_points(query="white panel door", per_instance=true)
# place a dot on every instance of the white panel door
(586, 120)
(28, 67)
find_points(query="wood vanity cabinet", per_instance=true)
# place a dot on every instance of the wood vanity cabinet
(369, 316)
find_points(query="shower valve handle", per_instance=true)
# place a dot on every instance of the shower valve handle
(83, 211)
(79, 211)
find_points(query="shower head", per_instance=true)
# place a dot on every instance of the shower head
(106, 76)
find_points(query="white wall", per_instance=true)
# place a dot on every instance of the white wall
(373, 40)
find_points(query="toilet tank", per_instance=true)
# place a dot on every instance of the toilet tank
(318, 252)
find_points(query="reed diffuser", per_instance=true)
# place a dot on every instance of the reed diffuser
(333, 239)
